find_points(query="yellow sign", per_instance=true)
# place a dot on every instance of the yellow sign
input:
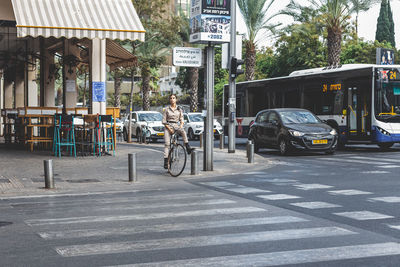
(332, 87)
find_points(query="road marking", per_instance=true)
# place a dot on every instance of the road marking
(350, 192)
(149, 216)
(134, 206)
(247, 190)
(199, 241)
(397, 227)
(277, 180)
(363, 215)
(315, 205)
(356, 161)
(168, 227)
(386, 199)
(389, 166)
(286, 257)
(378, 159)
(374, 172)
(134, 199)
(277, 197)
(312, 186)
(218, 184)
(252, 173)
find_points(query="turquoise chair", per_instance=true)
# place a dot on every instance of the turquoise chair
(64, 134)
(104, 135)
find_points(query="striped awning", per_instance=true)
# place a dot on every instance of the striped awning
(111, 19)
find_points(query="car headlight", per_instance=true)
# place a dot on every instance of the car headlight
(296, 133)
(333, 132)
(199, 126)
(383, 131)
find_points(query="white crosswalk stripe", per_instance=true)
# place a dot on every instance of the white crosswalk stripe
(286, 257)
(199, 241)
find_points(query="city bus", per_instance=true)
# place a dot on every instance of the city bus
(361, 101)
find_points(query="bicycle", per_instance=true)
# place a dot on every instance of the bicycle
(177, 156)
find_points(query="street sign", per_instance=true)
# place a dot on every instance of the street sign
(210, 21)
(384, 56)
(187, 57)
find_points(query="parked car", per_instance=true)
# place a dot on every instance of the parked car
(151, 121)
(292, 129)
(119, 125)
(194, 125)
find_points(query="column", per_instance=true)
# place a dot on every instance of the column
(98, 76)
(8, 91)
(47, 78)
(32, 87)
(19, 87)
(70, 89)
(1, 101)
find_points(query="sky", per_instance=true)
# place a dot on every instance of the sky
(367, 21)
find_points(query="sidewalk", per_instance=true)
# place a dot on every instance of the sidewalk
(22, 174)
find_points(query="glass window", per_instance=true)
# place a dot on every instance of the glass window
(150, 116)
(273, 117)
(196, 117)
(262, 118)
(298, 117)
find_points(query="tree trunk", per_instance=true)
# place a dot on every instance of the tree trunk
(146, 87)
(334, 47)
(129, 139)
(117, 91)
(59, 97)
(194, 89)
(250, 60)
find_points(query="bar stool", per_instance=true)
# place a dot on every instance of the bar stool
(103, 135)
(64, 134)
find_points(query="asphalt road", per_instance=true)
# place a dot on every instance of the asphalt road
(308, 210)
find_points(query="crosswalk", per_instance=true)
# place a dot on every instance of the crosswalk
(202, 229)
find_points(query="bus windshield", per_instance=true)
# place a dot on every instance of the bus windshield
(387, 101)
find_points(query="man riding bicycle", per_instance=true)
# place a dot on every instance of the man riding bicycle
(173, 122)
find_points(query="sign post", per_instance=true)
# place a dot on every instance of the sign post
(210, 24)
(232, 84)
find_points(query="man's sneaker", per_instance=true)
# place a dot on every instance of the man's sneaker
(188, 148)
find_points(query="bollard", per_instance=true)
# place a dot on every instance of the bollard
(249, 142)
(251, 153)
(201, 140)
(194, 163)
(132, 167)
(48, 174)
(221, 141)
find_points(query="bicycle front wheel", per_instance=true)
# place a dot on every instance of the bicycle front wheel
(176, 160)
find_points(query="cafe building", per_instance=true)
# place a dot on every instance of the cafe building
(42, 43)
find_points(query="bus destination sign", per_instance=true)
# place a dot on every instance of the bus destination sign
(391, 75)
(331, 87)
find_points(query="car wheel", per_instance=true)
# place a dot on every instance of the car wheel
(385, 146)
(154, 140)
(283, 147)
(125, 134)
(191, 134)
(256, 146)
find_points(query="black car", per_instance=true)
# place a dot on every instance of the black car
(288, 129)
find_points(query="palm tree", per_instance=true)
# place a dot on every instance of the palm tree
(257, 17)
(335, 16)
(362, 6)
(150, 54)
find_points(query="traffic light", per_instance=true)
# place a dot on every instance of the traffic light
(235, 63)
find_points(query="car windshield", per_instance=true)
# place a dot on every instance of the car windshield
(298, 117)
(117, 120)
(150, 117)
(195, 117)
(387, 101)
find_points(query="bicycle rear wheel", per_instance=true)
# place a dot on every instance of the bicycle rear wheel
(176, 160)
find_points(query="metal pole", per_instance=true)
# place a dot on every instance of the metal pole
(194, 164)
(251, 153)
(209, 123)
(132, 167)
(232, 84)
(221, 141)
(48, 174)
(249, 142)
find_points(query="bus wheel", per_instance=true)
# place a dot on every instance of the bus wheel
(385, 146)
(283, 147)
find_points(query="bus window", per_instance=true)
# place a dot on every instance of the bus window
(338, 105)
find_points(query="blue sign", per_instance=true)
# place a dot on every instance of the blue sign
(99, 91)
